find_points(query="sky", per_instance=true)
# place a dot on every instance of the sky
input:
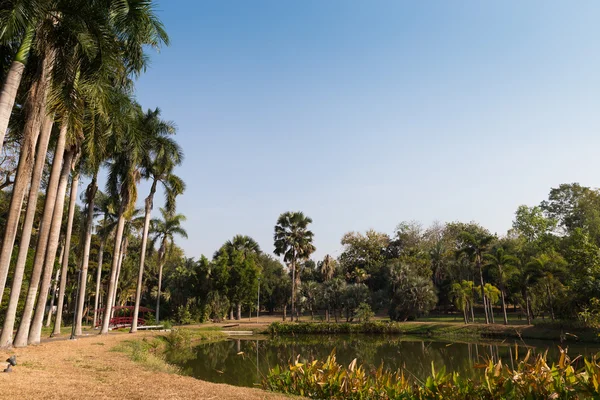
(363, 114)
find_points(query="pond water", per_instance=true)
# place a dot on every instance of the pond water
(244, 362)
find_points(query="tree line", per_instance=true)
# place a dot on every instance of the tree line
(68, 111)
(547, 266)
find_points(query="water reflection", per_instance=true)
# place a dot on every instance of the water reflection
(244, 362)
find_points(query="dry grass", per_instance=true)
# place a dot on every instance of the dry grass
(87, 368)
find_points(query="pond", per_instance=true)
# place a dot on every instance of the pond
(244, 362)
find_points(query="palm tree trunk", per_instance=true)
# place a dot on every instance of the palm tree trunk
(491, 306)
(238, 314)
(35, 104)
(487, 318)
(528, 309)
(12, 81)
(504, 306)
(35, 331)
(162, 257)
(17, 283)
(293, 284)
(65, 260)
(465, 314)
(113, 272)
(85, 257)
(98, 281)
(54, 289)
(138, 290)
(42, 241)
(550, 301)
(122, 256)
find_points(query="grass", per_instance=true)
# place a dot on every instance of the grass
(151, 352)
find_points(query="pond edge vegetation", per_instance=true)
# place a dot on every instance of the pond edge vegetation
(549, 331)
(529, 378)
(151, 351)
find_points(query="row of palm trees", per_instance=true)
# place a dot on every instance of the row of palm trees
(70, 83)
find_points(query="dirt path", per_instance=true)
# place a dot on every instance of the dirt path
(86, 368)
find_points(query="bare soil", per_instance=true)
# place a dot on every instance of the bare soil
(87, 368)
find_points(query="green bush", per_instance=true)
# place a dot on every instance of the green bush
(532, 378)
(364, 312)
(278, 328)
(183, 315)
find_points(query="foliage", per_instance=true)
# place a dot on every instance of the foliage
(412, 296)
(532, 377)
(364, 312)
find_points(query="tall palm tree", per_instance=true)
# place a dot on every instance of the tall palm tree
(505, 264)
(18, 19)
(12, 80)
(37, 321)
(58, 40)
(474, 246)
(107, 208)
(293, 241)
(123, 178)
(65, 259)
(17, 282)
(164, 230)
(158, 166)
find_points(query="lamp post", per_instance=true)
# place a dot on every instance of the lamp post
(258, 304)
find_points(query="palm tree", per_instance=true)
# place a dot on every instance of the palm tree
(164, 230)
(63, 49)
(160, 160)
(474, 246)
(505, 265)
(526, 276)
(104, 230)
(461, 295)
(246, 246)
(58, 39)
(18, 21)
(35, 330)
(15, 291)
(293, 240)
(327, 267)
(65, 260)
(551, 266)
(122, 184)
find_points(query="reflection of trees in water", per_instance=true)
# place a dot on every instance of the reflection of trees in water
(220, 361)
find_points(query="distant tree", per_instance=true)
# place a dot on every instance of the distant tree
(551, 266)
(413, 295)
(474, 245)
(505, 266)
(327, 268)
(293, 240)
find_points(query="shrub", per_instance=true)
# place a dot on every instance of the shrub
(183, 315)
(364, 312)
(278, 328)
(532, 378)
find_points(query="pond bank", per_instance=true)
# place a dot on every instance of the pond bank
(554, 332)
(68, 369)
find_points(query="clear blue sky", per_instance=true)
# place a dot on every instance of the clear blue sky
(363, 114)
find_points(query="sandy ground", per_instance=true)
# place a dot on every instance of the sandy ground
(86, 368)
